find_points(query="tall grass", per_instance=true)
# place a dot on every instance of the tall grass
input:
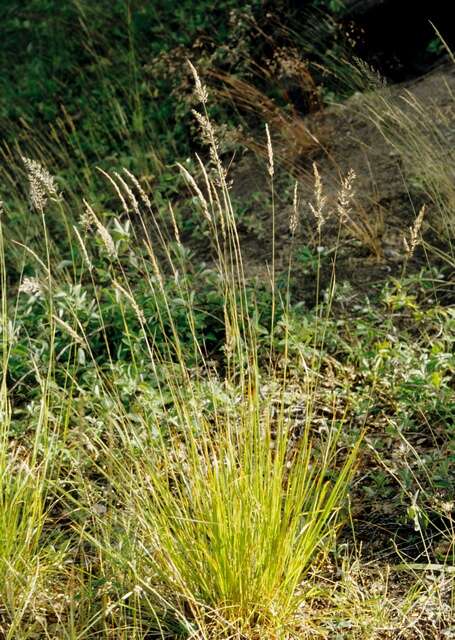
(227, 511)
(28, 560)
(203, 517)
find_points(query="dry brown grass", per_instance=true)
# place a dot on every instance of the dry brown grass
(292, 138)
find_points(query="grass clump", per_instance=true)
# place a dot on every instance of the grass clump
(227, 519)
(179, 440)
(202, 512)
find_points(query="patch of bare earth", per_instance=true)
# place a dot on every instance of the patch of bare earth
(383, 207)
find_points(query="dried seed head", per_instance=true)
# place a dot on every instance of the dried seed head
(86, 220)
(137, 310)
(345, 196)
(83, 249)
(320, 200)
(294, 219)
(102, 232)
(144, 197)
(116, 188)
(200, 89)
(414, 233)
(208, 134)
(209, 138)
(129, 192)
(194, 186)
(175, 226)
(42, 184)
(156, 269)
(270, 167)
(30, 286)
(64, 325)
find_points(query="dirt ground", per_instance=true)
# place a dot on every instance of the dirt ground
(383, 204)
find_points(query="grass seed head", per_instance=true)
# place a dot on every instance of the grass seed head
(270, 167)
(83, 248)
(345, 196)
(414, 233)
(320, 200)
(144, 197)
(102, 231)
(294, 219)
(30, 286)
(42, 184)
(200, 89)
(137, 310)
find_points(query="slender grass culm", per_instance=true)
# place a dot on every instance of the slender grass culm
(214, 523)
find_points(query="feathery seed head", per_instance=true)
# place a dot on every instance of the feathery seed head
(346, 195)
(320, 200)
(118, 191)
(102, 231)
(200, 89)
(83, 248)
(294, 219)
(196, 189)
(86, 220)
(175, 226)
(270, 167)
(414, 233)
(129, 192)
(207, 131)
(144, 197)
(137, 310)
(30, 286)
(69, 329)
(42, 184)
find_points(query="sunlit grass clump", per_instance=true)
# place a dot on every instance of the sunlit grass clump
(226, 519)
(201, 514)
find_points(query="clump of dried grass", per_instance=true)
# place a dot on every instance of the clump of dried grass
(293, 139)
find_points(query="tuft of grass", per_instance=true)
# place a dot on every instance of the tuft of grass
(202, 514)
(226, 519)
(218, 522)
(28, 561)
(200, 484)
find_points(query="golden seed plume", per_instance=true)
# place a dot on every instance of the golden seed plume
(64, 325)
(320, 200)
(102, 231)
(200, 89)
(294, 219)
(345, 196)
(196, 189)
(144, 197)
(414, 233)
(30, 286)
(270, 167)
(83, 249)
(137, 310)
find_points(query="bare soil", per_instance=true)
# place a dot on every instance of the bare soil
(383, 200)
